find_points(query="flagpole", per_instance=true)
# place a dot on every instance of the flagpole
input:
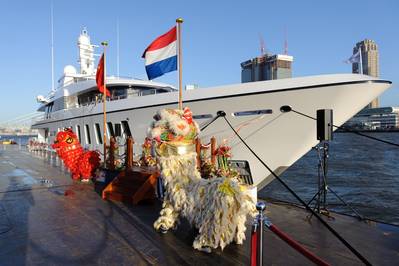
(105, 44)
(179, 21)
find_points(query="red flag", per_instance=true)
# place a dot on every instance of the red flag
(100, 76)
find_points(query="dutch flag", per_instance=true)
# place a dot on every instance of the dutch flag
(161, 55)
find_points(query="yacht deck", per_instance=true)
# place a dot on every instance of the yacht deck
(45, 219)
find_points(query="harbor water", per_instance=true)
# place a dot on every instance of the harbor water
(362, 171)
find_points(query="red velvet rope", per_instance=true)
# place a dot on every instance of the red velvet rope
(254, 247)
(298, 247)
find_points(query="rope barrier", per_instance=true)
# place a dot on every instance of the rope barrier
(257, 239)
(295, 245)
(335, 233)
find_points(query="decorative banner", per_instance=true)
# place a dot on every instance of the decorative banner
(80, 163)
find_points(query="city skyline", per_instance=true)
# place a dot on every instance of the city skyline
(320, 37)
(267, 67)
(369, 59)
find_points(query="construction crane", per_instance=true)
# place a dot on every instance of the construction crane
(285, 42)
(262, 46)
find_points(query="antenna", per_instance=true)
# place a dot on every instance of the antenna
(117, 47)
(52, 46)
(285, 41)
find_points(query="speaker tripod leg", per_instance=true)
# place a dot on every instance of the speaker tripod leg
(316, 207)
(314, 197)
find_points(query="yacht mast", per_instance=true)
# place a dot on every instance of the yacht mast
(117, 46)
(52, 46)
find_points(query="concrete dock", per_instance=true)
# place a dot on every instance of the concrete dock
(46, 219)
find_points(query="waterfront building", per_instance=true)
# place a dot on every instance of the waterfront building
(382, 118)
(191, 87)
(369, 61)
(267, 67)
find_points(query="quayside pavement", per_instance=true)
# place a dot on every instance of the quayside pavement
(46, 219)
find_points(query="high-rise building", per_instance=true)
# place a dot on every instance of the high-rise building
(370, 65)
(266, 67)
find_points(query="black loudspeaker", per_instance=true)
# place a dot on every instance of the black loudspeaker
(324, 124)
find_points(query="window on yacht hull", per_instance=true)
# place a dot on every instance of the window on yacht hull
(78, 131)
(253, 112)
(118, 130)
(204, 116)
(87, 134)
(98, 133)
(110, 129)
(126, 129)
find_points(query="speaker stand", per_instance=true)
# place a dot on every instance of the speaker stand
(320, 197)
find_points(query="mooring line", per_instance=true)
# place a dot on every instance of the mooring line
(335, 233)
(349, 130)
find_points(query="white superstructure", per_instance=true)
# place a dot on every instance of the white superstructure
(86, 54)
(253, 108)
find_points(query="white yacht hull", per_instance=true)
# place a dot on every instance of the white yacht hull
(279, 139)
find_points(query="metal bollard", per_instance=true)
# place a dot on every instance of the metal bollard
(260, 206)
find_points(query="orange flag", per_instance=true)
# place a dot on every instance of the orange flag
(100, 76)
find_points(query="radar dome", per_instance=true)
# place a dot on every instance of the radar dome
(69, 70)
(41, 99)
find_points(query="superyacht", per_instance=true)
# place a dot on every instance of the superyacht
(257, 110)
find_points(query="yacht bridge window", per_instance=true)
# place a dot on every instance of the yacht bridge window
(118, 92)
(143, 91)
(49, 109)
(89, 97)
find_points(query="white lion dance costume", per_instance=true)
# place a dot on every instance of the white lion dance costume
(217, 207)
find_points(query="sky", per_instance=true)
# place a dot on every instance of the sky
(216, 37)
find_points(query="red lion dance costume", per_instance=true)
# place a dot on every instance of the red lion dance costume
(81, 164)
